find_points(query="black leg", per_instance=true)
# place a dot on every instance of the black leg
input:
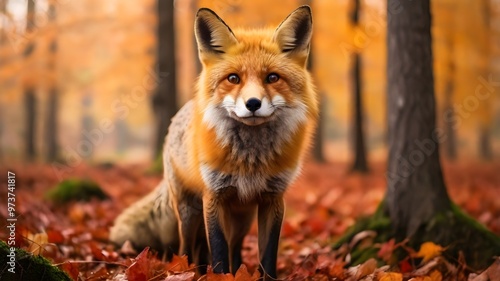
(216, 239)
(271, 211)
(190, 220)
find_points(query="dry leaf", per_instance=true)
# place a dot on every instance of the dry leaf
(243, 275)
(139, 270)
(36, 242)
(428, 251)
(178, 264)
(390, 276)
(184, 276)
(436, 276)
(420, 278)
(362, 270)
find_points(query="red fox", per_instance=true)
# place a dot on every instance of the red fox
(232, 151)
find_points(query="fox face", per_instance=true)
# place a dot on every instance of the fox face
(255, 76)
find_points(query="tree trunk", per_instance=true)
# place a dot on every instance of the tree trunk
(51, 128)
(358, 147)
(360, 163)
(416, 190)
(485, 150)
(164, 99)
(451, 139)
(30, 102)
(30, 110)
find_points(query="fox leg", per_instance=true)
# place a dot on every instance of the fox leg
(189, 212)
(227, 224)
(270, 217)
(219, 249)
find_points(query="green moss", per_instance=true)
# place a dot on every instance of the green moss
(453, 229)
(28, 266)
(75, 190)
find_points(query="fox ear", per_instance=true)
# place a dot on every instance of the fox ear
(212, 33)
(293, 35)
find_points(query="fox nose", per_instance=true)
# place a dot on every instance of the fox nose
(253, 104)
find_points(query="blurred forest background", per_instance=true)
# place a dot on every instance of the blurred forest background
(74, 72)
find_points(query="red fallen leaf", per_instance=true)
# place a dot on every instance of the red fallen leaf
(139, 270)
(184, 276)
(405, 266)
(97, 251)
(178, 264)
(310, 263)
(337, 271)
(287, 230)
(71, 269)
(385, 252)
(243, 275)
(55, 236)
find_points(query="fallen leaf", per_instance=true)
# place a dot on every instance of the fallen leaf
(178, 264)
(390, 276)
(184, 276)
(385, 252)
(367, 234)
(428, 251)
(55, 236)
(405, 266)
(211, 276)
(243, 275)
(362, 270)
(36, 242)
(71, 269)
(420, 278)
(436, 276)
(139, 270)
(337, 271)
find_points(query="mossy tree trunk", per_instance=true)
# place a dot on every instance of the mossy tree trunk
(417, 205)
(416, 190)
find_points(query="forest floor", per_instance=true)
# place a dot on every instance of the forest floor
(321, 205)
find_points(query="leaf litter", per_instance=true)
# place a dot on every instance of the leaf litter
(321, 205)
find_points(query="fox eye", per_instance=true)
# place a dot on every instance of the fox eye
(233, 78)
(272, 78)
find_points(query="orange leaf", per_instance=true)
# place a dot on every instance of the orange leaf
(337, 271)
(429, 250)
(421, 278)
(391, 276)
(184, 276)
(243, 275)
(71, 269)
(436, 276)
(178, 264)
(211, 276)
